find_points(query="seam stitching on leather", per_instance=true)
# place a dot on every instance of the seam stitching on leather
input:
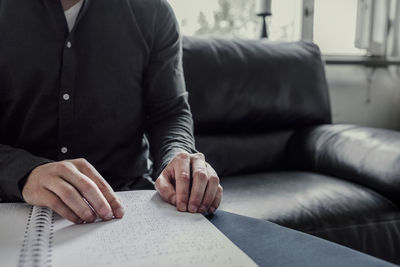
(352, 225)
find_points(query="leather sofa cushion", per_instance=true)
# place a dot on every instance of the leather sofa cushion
(242, 154)
(366, 156)
(304, 201)
(240, 86)
(324, 206)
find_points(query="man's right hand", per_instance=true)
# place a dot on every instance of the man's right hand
(65, 187)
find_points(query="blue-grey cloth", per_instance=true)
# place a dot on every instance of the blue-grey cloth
(271, 245)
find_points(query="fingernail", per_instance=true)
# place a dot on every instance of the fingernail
(211, 210)
(202, 209)
(173, 200)
(119, 213)
(92, 219)
(192, 208)
(109, 216)
(182, 207)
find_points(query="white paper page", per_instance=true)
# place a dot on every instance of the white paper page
(152, 233)
(13, 222)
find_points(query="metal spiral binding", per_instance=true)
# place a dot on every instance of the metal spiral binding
(37, 245)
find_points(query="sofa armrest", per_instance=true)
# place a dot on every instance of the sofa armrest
(367, 156)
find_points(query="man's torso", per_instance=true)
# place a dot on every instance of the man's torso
(79, 94)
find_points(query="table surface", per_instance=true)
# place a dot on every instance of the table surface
(269, 244)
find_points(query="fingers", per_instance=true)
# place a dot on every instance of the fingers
(200, 193)
(200, 180)
(211, 190)
(165, 188)
(182, 179)
(56, 204)
(217, 200)
(72, 198)
(74, 189)
(102, 197)
(87, 188)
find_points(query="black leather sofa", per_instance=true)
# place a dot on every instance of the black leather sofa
(262, 118)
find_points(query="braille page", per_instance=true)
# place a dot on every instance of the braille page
(13, 223)
(152, 233)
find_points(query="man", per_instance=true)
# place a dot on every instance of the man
(96, 81)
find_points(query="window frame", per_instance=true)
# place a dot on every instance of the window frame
(307, 34)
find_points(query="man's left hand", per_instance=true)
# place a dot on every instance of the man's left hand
(190, 183)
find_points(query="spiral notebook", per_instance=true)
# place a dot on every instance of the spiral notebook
(152, 233)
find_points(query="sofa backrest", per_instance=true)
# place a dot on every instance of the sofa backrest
(250, 95)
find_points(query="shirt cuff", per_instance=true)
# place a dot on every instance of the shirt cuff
(19, 165)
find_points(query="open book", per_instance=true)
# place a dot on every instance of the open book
(152, 233)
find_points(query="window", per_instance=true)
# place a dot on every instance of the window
(237, 18)
(285, 23)
(333, 23)
(335, 26)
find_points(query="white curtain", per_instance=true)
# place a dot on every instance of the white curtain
(378, 27)
(394, 33)
(393, 46)
(373, 21)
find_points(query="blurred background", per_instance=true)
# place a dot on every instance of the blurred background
(359, 40)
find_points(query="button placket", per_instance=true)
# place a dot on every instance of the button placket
(65, 104)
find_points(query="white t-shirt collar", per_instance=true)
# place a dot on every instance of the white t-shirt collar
(72, 13)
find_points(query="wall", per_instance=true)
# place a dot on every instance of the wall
(353, 103)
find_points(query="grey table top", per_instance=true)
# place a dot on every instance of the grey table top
(269, 244)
